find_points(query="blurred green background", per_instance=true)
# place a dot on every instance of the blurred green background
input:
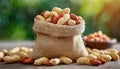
(16, 16)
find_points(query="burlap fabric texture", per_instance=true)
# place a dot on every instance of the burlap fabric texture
(54, 40)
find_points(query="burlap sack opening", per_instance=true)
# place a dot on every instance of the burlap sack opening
(57, 30)
(58, 40)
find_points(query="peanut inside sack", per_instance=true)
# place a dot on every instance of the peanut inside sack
(58, 33)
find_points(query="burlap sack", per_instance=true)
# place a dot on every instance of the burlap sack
(54, 40)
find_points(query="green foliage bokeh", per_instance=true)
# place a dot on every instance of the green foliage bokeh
(16, 16)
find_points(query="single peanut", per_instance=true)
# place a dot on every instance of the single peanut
(101, 52)
(30, 50)
(73, 16)
(66, 16)
(23, 58)
(40, 61)
(95, 62)
(21, 54)
(42, 13)
(103, 61)
(95, 53)
(5, 51)
(27, 61)
(1, 54)
(53, 13)
(65, 60)
(114, 56)
(40, 18)
(89, 50)
(112, 50)
(83, 60)
(49, 19)
(55, 19)
(54, 61)
(13, 50)
(98, 51)
(105, 56)
(95, 50)
(66, 10)
(58, 10)
(11, 59)
(78, 21)
(91, 56)
(47, 63)
(79, 17)
(106, 52)
(46, 14)
(71, 22)
(24, 49)
(16, 49)
(61, 21)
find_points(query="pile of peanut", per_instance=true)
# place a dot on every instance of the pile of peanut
(15, 54)
(21, 54)
(96, 36)
(59, 16)
(97, 57)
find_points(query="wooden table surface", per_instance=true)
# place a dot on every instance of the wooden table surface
(11, 44)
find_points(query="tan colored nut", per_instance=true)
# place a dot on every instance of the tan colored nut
(71, 22)
(95, 53)
(106, 52)
(24, 49)
(53, 13)
(65, 60)
(101, 52)
(95, 50)
(66, 16)
(49, 19)
(83, 61)
(47, 14)
(16, 58)
(30, 49)
(79, 17)
(21, 54)
(54, 61)
(105, 56)
(40, 61)
(11, 52)
(40, 18)
(112, 50)
(66, 10)
(1, 54)
(98, 51)
(30, 54)
(91, 56)
(61, 21)
(5, 51)
(11, 59)
(16, 49)
(58, 10)
(89, 50)
(8, 59)
(114, 56)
